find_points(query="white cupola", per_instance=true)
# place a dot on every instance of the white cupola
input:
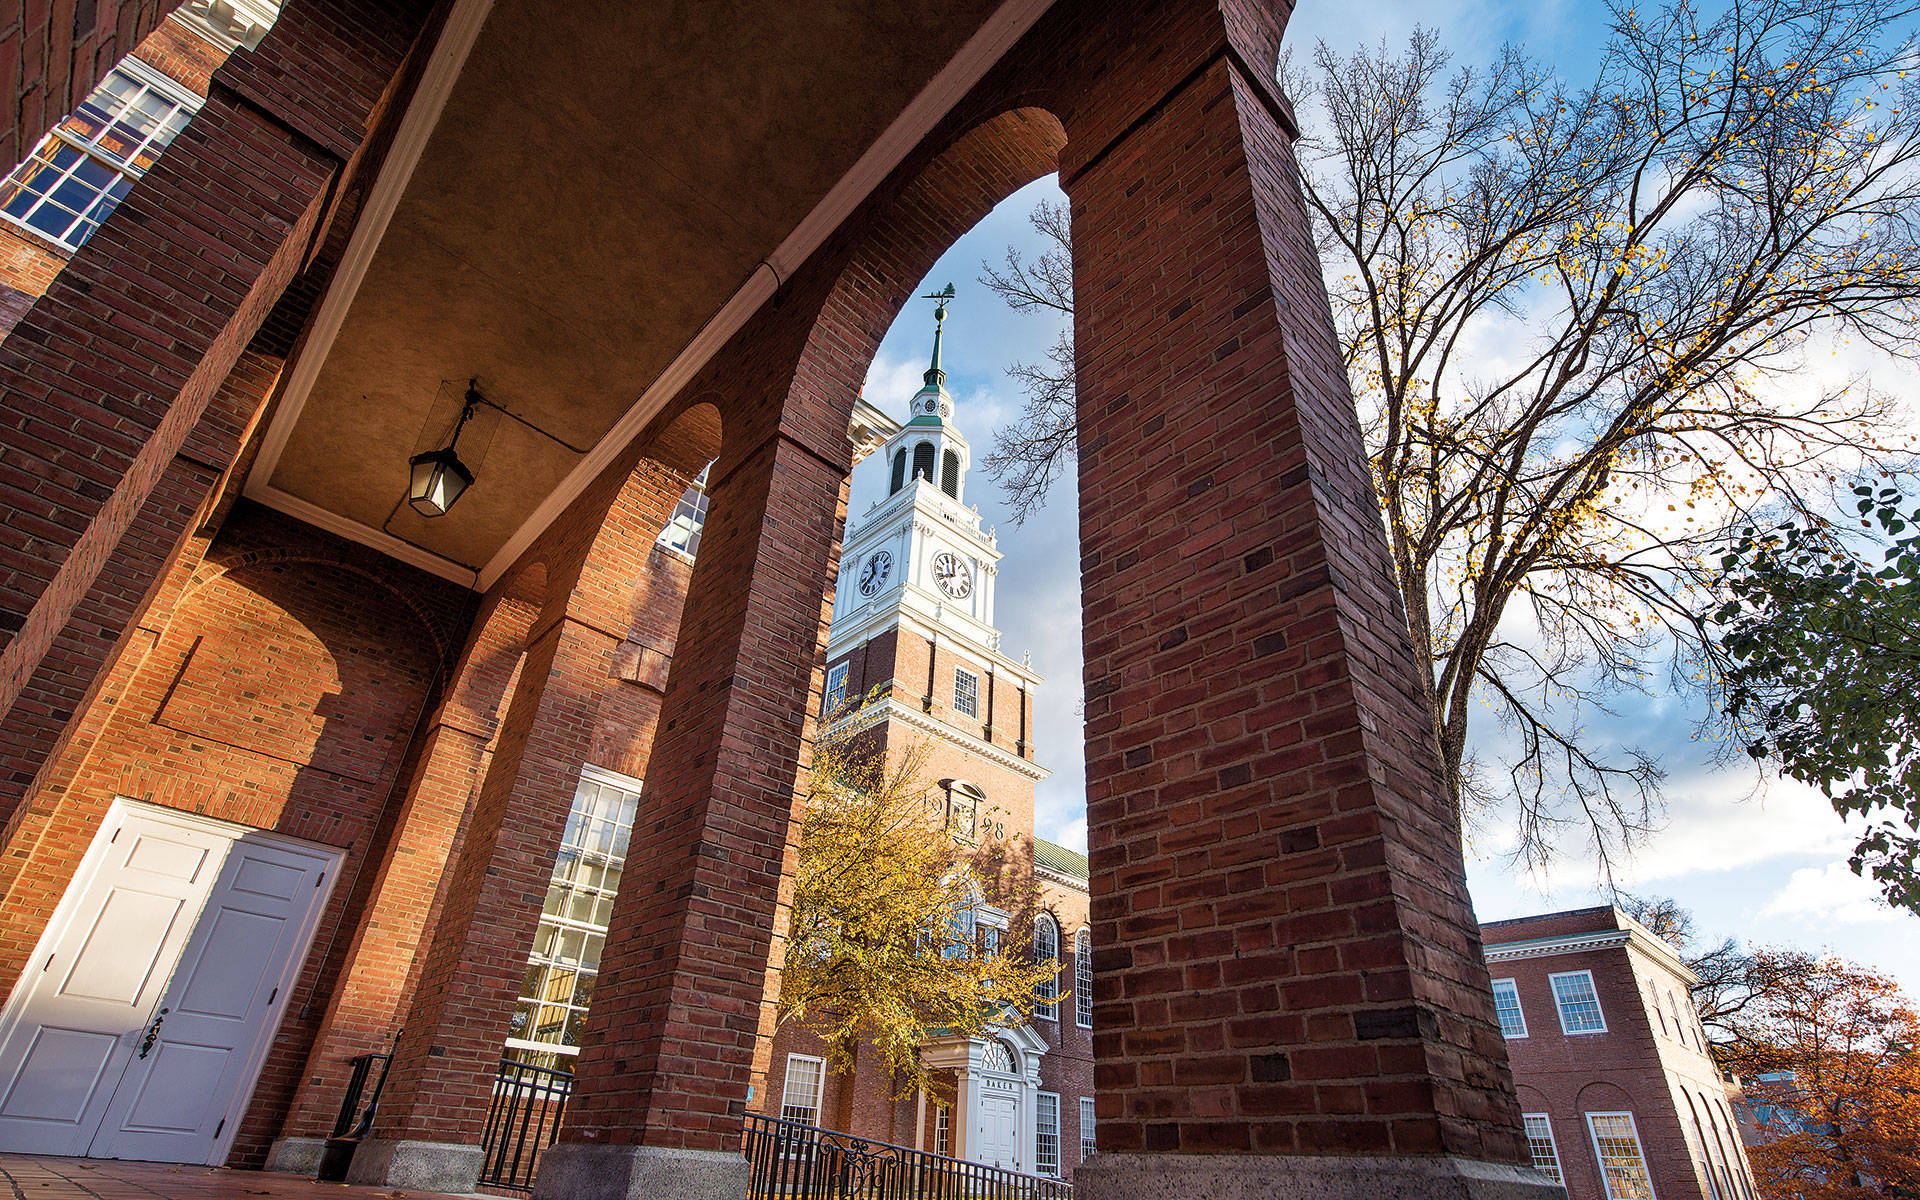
(929, 446)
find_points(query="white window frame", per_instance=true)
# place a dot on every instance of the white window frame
(1083, 978)
(1600, 1159)
(1560, 1008)
(835, 693)
(943, 1130)
(1046, 1004)
(819, 1088)
(1520, 1013)
(184, 101)
(972, 696)
(1553, 1146)
(1088, 1145)
(1041, 1132)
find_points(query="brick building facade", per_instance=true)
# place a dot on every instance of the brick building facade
(248, 692)
(1619, 1094)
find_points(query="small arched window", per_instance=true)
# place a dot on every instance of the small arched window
(923, 461)
(899, 470)
(1046, 949)
(950, 475)
(963, 926)
(998, 1056)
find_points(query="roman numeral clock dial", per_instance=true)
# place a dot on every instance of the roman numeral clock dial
(873, 576)
(953, 575)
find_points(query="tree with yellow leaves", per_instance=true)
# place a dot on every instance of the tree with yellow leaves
(883, 949)
(1575, 322)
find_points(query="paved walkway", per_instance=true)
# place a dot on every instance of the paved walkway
(113, 1179)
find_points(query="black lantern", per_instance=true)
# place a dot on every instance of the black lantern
(438, 478)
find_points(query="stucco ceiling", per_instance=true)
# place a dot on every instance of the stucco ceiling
(603, 178)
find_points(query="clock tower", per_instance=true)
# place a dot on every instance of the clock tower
(913, 616)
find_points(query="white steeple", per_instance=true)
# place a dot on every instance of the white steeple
(929, 446)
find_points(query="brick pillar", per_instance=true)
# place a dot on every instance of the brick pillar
(104, 381)
(1291, 999)
(427, 1136)
(383, 961)
(680, 1011)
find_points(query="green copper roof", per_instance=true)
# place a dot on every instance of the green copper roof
(1059, 859)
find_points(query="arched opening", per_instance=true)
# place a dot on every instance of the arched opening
(923, 461)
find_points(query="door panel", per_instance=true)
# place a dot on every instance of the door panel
(180, 1102)
(95, 980)
(139, 1027)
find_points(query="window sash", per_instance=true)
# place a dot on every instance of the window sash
(943, 1130)
(966, 692)
(1046, 945)
(1616, 1146)
(1083, 979)
(1540, 1143)
(1578, 1002)
(1046, 1135)
(800, 1094)
(1506, 1005)
(836, 690)
(1087, 1145)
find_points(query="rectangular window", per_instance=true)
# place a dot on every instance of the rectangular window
(1083, 979)
(689, 517)
(836, 693)
(966, 692)
(1086, 1128)
(1046, 1135)
(88, 163)
(800, 1098)
(1506, 1003)
(1616, 1143)
(1579, 1004)
(989, 940)
(1546, 1157)
(943, 1131)
(565, 962)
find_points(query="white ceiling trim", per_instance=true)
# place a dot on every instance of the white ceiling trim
(985, 48)
(366, 535)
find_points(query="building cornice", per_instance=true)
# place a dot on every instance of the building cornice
(896, 614)
(1636, 938)
(891, 709)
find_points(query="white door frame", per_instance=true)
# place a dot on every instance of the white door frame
(93, 862)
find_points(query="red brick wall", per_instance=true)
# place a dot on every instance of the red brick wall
(52, 54)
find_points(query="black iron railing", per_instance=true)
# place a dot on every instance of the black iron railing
(523, 1120)
(794, 1160)
(355, 1121)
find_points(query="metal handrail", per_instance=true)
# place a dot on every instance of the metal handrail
(790, 1159)
(344, 1125)
(522, 1120)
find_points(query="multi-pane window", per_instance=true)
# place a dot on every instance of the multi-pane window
(1086, 1128)
(942, 1130)
(966, 692)
(1578, 1003)
(800, 1097)
(1046, 948)
(558, 985)
(689, 517)
(82, 169)
(997, 1056)
(1546, 1156)
(1616, 1143)
(836, 693)
(1506, 1004)
(1046, 1135)
(989, 940)
(1083, 978)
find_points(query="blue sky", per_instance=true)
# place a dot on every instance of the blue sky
(1760, 860)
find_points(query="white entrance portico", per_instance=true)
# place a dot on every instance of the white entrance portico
(997, 1087)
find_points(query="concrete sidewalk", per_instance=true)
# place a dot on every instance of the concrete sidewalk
(113, 1179)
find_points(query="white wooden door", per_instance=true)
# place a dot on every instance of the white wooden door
(999, 1132)
(140, 1023)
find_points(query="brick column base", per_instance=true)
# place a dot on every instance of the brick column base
(642, 1172)
(1265, 1177)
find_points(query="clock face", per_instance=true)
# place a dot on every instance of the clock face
(873, 576)
(950, 571)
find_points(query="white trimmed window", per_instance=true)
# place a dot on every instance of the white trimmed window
(1616, 1144)
(800, 1097)
(1086, 1128)
(1083, 979)
(836, 690)
(1046, 1135)
(564, 964)
(966, 692)
(1546, 1155)
(1578, 1003)
(943, 1131)
(1506, 1004)
(86, 166)
(1046, 948)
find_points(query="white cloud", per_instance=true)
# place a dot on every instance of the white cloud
(1714, 825)
(1830, 893)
